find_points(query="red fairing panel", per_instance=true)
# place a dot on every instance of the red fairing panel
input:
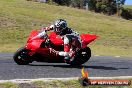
(32, 34)
(87, 38)
(55, 39)
(35, 44)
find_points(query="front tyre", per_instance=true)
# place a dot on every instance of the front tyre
(21, 56)
(81, 57)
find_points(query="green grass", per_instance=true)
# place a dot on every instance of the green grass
(58, 83)
(19, 17)
(8, 85)
(69, 84)
(54, 84)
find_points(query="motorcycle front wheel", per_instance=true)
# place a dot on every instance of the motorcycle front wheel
(21, 56)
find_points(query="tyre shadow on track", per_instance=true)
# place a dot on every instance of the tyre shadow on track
(80, 67)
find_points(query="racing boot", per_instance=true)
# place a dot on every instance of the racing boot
(69, 56)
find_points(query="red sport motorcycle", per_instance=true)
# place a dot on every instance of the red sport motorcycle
(38, 50)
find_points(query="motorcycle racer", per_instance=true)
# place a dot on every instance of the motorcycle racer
(71, 38)
(62, 45)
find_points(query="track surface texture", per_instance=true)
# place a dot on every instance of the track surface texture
(97, 66)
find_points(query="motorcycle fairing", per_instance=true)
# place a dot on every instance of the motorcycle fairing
(87, 38)
(33, 44)
(55, 39)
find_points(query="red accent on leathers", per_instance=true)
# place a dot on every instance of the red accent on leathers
(72, 53)
(67, 47)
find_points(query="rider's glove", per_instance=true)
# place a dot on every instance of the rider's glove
(51, 27)
(42, 34)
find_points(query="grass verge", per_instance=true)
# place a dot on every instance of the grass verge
(55, 84)
(8, 85)
(19, 17)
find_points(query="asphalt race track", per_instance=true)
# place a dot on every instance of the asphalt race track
(97, 66)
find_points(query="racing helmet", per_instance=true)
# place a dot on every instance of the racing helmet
(59, 26)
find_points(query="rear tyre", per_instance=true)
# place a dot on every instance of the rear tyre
(81, 57)
(21, 56)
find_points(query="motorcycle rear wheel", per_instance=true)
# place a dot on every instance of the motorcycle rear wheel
(21, 56)
(81, 57)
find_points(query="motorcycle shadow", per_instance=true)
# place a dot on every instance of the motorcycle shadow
(58, 65)
(78, 67)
